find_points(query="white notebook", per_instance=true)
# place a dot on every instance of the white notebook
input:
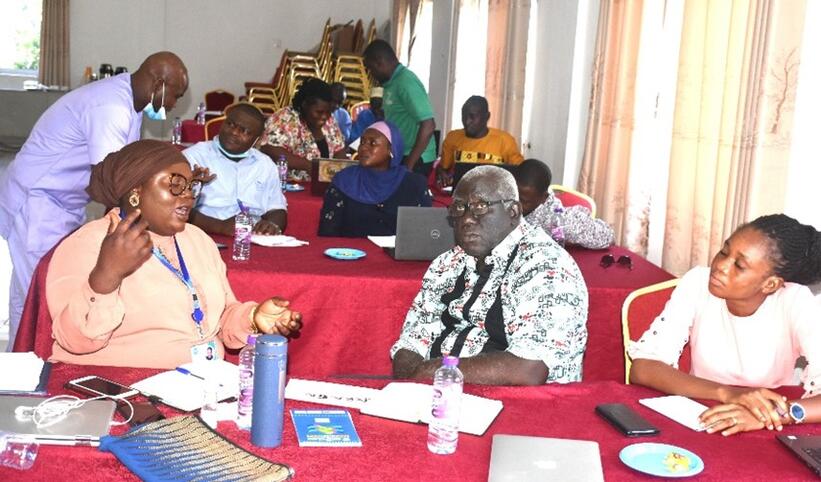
(411, 402)
(186, 392)
(677, 408)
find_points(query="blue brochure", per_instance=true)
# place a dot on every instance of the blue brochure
(325, 428)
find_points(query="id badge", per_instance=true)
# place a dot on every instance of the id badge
(204, 352)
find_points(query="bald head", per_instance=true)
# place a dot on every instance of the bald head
(161, 71)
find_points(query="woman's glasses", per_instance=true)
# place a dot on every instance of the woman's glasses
(608, 260)
(179, 184)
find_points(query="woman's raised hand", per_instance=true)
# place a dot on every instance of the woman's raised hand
(124, 249)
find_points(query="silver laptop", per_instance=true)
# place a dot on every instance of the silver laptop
(520, 458)
(82, 426)
(422, 234)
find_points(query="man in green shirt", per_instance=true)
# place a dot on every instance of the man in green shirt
(405, 103)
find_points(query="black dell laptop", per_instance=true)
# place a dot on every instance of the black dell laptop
(806, 447)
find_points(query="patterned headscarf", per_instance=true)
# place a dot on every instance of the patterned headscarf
(123, 170)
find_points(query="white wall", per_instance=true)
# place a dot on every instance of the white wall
(443, 46)
(223, 44)
(566, 37)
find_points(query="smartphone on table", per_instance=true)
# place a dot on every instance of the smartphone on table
(626, 420)
(144, 412)
(97, 386)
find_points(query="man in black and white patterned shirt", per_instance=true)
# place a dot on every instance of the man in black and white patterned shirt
(507, 300)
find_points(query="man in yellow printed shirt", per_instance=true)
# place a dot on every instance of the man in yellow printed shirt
(476, 143)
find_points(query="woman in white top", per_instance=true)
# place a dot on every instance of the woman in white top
(747, 318)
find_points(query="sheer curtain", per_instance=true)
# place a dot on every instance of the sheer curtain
(507, 36)
(607, 159)
(54, 40)
(732, 130)
(730, 135)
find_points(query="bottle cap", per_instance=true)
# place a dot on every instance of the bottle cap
(271, 345)
(450, 361)
(252, 339)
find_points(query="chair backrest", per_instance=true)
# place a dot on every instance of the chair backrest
(218, 100)
(34, 332)
(212, 127)
(639, 310)
(357, 108)
(571, 197)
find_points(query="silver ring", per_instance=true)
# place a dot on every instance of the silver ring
(735, 422)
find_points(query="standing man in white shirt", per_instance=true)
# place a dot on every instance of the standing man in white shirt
(42, 193)
(243, 173)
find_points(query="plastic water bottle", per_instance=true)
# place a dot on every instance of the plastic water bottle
(208, 412)
(246, 384)
(17, 451)
(282, 164)
(557, 231)
(176, 135)
(443, 430)
(270, 361)
(243, 227)
(201, 114)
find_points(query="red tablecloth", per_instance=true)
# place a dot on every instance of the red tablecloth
(192, 132)
(394, 450)
(354, 310)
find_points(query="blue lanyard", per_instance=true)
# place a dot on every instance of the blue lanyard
(182, 275)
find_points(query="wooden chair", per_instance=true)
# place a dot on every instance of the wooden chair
(571, 197)
(261, 91)
(218, 100)
(639, 310)
(212, 127)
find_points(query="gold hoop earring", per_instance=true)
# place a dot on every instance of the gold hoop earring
(134, 199)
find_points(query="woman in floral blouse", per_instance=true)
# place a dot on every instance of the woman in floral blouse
(305, 130)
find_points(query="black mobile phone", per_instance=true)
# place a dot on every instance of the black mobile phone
(626, 420)
(144, 412)
(96, 386)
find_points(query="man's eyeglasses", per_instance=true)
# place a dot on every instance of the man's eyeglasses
(179, 184)
(608, 260)
(479, 208)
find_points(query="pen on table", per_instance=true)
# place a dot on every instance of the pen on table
(185, 371)
(188, 372)
(242, 206)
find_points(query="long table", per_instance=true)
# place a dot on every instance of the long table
(394, 450)
(354, 310)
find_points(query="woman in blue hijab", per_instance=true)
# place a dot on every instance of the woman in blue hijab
(363, 200)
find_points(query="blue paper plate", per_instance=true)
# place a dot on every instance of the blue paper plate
(345, 253)
(294, 187)
(649, 458)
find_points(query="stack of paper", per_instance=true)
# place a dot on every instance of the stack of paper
(678, 408)
(408, 402)
(383, 241)
(411, 402)
(21, 372)
(277, 241)
(186, 391)
(328, 393)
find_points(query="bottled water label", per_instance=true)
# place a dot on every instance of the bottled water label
(242, 238)
(443, 429)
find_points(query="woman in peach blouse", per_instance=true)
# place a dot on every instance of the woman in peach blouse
(747, 317)
(140, 287)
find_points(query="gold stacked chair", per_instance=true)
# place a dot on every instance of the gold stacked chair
(350, 71)
(295, 67)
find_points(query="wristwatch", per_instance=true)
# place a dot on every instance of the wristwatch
(797, 412)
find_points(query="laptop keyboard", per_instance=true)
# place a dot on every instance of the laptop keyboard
(815, 453)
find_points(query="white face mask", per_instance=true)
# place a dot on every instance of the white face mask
(152, 113)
